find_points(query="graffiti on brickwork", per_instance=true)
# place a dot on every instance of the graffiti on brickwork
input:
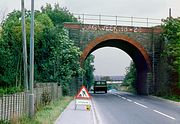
(111, 28)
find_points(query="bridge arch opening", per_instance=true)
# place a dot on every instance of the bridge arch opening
(138, 54)
(116, 59)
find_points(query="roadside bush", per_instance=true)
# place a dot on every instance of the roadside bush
(46, 99)
(4, 122)
(10, 90)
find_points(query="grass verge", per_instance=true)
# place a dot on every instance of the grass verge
(47, 115)
(173, 98)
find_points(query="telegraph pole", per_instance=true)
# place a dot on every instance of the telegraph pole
(170, 13)
(31, 79)
(24, 53)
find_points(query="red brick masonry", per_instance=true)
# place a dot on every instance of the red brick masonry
(113, 28)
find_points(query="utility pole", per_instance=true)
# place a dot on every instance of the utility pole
(31, 79)
(170, 13)
(24, 53)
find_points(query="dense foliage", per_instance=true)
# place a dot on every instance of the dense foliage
(171, 35)
(56, 56)
(130, 78)
(89, 69)
(58, 15)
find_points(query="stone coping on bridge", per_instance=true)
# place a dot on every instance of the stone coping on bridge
(112, 28)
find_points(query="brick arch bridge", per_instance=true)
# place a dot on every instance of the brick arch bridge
(141, 43)
(131, 47)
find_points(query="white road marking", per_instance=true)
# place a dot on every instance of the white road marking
(129, 100)
(140, 104)
(119, 96)
(146, 107)
(123, 97)
(164, 114)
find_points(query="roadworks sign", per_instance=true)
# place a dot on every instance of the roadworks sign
(83, 93)
(82, 101)
(83, 98)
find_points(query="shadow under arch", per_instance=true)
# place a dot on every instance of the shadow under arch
(134, 49)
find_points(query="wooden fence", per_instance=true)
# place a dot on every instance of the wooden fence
(12, 105)
(15, 105)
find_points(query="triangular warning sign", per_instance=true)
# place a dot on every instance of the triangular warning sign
(83, 93)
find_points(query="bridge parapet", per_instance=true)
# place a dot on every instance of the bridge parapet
(113, 28)
(117, 20)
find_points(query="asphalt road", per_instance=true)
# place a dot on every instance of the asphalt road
(125, 108)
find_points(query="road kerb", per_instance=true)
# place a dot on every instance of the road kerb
(62, 112)
(95, 118)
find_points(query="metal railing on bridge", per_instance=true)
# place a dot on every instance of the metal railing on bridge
(117, 20)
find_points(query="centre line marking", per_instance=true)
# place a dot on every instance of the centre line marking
(119, 96)
(123, 97)
(129, 100)
(140, 104)
(164, 114)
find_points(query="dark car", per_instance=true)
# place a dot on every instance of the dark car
(100, 86)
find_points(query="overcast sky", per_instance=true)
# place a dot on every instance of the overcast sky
(108, 61)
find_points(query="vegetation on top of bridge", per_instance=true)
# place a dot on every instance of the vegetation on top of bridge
(56, 56)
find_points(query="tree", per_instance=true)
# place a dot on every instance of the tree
(171, 35)
(63, 61)
(130, 77)
(11, 44)
(89, 69)
(10, 52)
(58, 15)
(56, 56)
